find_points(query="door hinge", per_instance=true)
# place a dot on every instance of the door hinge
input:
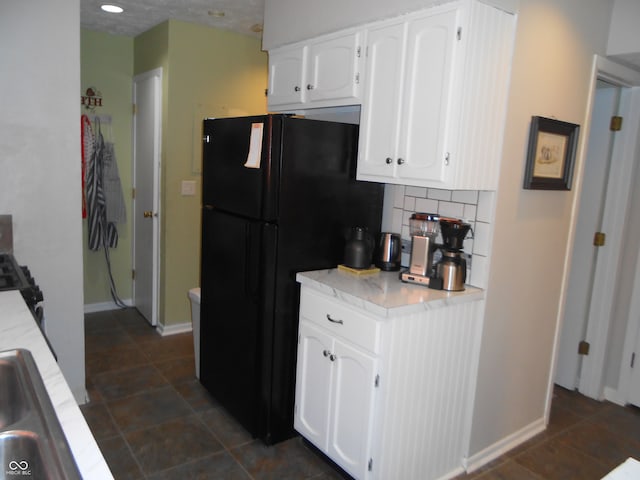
(357, 79)
(133, 274)
(370, 464)
(616, 124)
(134, 108)
(133, 193)
(459, 33)
(599, 239)
(377, 381)
(583, 348)
(358, 52)
(633, 359)
(266, 92)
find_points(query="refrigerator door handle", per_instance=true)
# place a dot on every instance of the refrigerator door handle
(247, 259)
(251, 269)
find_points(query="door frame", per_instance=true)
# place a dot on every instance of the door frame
(157, 75)
(591, 379)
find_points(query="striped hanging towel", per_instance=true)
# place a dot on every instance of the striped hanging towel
(101, 232)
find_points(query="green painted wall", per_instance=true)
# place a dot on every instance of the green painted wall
(107, 65)
(206, 72)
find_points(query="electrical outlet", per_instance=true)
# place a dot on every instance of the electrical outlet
(188, 188)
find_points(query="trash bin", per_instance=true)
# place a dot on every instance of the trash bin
(194, 296)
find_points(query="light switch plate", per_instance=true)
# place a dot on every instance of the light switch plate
(188, 188)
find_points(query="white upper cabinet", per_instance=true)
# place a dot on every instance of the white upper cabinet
(434, 102)
(324, 72)
(286, 67)
(406, 100)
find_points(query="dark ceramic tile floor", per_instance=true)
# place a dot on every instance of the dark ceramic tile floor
(153, 420)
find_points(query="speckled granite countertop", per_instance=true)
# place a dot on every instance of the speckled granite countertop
(383, 293)
(18, 329)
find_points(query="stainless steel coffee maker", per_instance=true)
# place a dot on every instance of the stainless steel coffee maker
(424, 229)
(452, 267)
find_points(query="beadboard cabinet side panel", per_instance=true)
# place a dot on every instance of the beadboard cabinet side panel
(427, 394)
(482, 88)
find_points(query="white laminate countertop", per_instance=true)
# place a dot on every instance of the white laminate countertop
(18, 329)
(383, 293)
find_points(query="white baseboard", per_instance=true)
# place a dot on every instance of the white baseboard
(105, 306)
(174, 329)
(501, 447)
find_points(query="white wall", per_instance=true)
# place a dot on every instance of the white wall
(553, 57)
(624, 35)
(287, 21)
(40, 162)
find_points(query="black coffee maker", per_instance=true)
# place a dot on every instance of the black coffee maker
(452, 267)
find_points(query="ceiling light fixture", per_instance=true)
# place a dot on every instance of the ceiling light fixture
(111, 8)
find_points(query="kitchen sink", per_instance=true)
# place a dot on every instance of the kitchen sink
(32, 443)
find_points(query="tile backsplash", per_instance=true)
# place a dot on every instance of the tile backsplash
(474, 207)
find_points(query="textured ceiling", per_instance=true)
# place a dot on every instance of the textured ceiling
(242, 16)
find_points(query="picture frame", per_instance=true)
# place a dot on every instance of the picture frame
(551, 154)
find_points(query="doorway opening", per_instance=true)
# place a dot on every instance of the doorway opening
(589, 346)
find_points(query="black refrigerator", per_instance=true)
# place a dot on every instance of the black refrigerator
(279, 193)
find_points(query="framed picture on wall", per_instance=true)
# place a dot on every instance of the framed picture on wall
(551, 154)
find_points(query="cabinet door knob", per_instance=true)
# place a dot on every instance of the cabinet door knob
(388, 160)
(296, 88)
(333, 320)
(332, 357)
(309, 87)
(400, 161)
(326, 353)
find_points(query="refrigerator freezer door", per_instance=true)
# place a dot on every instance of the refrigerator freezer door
(238, 174)
(235, 287)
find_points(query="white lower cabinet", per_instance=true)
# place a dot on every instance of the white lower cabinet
(334, 397)
(387, 397)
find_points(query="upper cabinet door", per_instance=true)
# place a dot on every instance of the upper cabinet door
(333, 69)
(380, 113)
(426, 103)
(286, 81)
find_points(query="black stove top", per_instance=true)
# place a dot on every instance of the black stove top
(16, 277)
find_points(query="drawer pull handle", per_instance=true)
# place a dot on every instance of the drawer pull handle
(326, 353)
(333, 320)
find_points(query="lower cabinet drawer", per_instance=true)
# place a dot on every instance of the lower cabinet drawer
(340, 319)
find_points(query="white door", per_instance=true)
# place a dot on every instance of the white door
(584, 254)
(286, 81)
(633, 396)
(147, 93)
(380, 113)
(352, 407)
(599, 327)
(427, 95)
(333, 68)
(313, 385)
